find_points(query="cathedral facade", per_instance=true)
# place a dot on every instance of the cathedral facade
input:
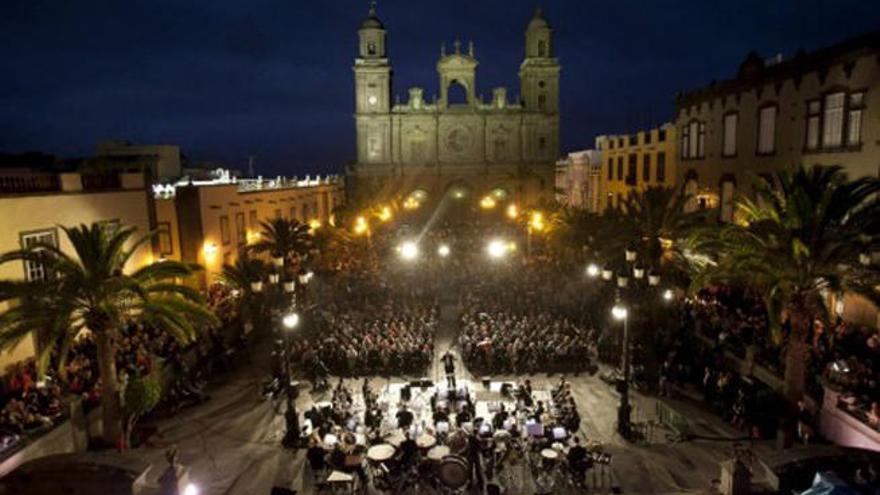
(432, 146)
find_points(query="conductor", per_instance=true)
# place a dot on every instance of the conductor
(449, 367)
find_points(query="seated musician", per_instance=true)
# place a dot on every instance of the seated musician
(578, 456)
(404, 418)
(538, 413)
(408, 450)
(499, 418)
(441, 414)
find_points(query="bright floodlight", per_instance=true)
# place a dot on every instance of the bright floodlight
(593, 270)
(191, 489)
(618, 312)
(667, 294)
(496, 249)
(409, 250)
(443, 250)
(290, 320)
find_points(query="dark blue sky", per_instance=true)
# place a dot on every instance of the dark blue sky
(227, 79)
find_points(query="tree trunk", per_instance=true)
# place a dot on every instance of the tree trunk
(111, 409)
(796, 355)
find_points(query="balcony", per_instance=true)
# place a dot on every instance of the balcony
(28, 183)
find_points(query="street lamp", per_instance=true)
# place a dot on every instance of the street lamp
(593, 270)
(620, 313)
(668, 295)
(290, 321)
(443, 250)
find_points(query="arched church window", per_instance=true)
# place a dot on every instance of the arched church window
(371, 48)
(542, 101)
(456, 94)
(542, 48)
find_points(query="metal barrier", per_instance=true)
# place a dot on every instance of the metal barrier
(672, 419)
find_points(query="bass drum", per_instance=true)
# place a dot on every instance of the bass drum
(457, 442)
(453, 472)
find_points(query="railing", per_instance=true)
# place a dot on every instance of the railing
(100, 182)
(24, 183)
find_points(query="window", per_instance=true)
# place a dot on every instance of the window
(610, 169)
(661, 135)
(854, 119)
(240, 233)
(542, 101)
(542, 48)
(34, 271)
(621, 143)
(832, 122)
(701, 141)
(647, 137)
(814, 111)
(305, 212)
(252, 220)
(371, 48)
(685, 141)
(728, 145)
(293, 213)
(646, 167)
(767, 130)
(610, 144)
(619, 168)
(166, 248)
(609, 201)
(542, 143)
(633, 140)
(631, 169)
(661, 167)
(277, 212)
(224, 229)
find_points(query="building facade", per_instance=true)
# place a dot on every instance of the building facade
(634, 162)
(578, 179)
(456, 139)
(34, 207)
(209, 222)
(815, 108)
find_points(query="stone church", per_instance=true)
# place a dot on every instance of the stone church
(456, 141)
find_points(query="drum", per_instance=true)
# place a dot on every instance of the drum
(453, 472)
(550, 454)
(426, 441)
(438, 452)
(395, 439)
(457, 442)
(380, 452)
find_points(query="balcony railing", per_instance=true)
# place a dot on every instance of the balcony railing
(100, 182)
(27, 183)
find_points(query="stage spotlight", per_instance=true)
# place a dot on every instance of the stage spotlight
(496, 249)
(409, 250)
(443, 250)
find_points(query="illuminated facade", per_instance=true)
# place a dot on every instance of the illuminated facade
(33, 207)
(634, 162)
(209, 222)
(430, 145)
(814, 108)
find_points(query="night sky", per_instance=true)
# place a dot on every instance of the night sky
(227, 79)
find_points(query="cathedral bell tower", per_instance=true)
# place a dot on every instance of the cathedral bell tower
(539, 87)
(372, 81)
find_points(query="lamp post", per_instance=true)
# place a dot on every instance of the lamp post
(291, 418)
(621, 313)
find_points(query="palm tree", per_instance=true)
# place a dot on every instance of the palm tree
(799, 242)
(657, 220)
(240, 278)
(286, 239)
(91, 290)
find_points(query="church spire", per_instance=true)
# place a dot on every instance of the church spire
(457, 45)
(471, 48)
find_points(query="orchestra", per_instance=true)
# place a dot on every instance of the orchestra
(449, 438)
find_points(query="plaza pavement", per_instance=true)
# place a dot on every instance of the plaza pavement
(232, 442)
